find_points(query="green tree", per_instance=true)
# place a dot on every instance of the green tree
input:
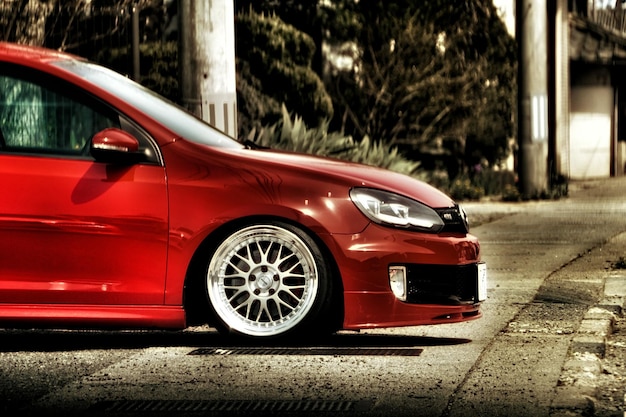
(87, 27)
(434, 77)
(491, 123)
(274, 65)
(23, 21)
(300, 14)
(429, 74)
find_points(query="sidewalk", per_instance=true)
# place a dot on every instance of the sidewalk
(593, 380)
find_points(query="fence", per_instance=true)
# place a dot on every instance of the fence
(612, 19)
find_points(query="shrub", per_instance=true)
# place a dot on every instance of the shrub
(486, 182)
(293, 135)
(493, 182)
(511, 193)
(464, 189)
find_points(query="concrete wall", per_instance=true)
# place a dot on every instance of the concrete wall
(591, 131)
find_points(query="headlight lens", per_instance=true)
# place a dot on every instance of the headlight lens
(395, 210)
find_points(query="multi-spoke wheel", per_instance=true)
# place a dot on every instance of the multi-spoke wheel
(267, 280)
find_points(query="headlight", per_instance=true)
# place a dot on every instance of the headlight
(395, 210)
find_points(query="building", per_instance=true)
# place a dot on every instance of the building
(586, 43)
(597, 113)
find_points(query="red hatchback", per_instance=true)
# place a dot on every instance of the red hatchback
(121, 210)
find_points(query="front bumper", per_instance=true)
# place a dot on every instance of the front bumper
(443, 276)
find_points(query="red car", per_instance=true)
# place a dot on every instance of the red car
(121, 210)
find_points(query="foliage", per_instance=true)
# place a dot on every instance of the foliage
(486, 182)
(464, 189)
(432, 80)
(375, 153)
(511, 193)
(254, 109)
(271, 53)
(495, 183)
(428, 71)
(559, 186)
(293, 134)
(300, 14)
(397, 94)
(158, 62)
(21, 20)
(422, 73)
(86, 27)
(492, 181)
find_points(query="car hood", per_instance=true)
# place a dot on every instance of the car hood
(350, 174)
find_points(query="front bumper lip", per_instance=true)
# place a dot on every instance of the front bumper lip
(371, 311)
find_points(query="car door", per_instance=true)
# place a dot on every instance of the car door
(73, 230)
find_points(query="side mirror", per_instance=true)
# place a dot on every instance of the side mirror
(116, 146)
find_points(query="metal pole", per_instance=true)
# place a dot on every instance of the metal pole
(135, 43)
(531, 25)
(188, 64)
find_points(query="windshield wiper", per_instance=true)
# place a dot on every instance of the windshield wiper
(252, 145)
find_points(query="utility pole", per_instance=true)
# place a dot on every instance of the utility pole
(207, 61)
(532, 138)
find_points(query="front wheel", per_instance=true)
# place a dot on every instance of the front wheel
(268, 280)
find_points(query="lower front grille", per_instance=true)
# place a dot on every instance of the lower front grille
(228, 407)
(442, 284)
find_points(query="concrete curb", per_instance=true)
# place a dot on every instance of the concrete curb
(577, 387)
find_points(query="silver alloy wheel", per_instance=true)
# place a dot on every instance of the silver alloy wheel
(262, 280)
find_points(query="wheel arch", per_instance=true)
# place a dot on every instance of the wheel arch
(195, 299)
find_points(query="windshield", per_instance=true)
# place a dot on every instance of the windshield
(157, 107)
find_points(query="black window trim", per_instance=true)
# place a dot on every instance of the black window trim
(74, 92)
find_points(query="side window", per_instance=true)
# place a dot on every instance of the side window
(40, 115)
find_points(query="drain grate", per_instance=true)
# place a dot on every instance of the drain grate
(311, 351)
(222, 406)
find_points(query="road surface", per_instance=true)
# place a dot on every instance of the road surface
(548, 262)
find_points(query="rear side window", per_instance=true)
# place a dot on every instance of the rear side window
(39, 114)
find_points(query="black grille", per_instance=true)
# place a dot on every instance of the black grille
(310, 351)
(229, 407)
(454, 219)
(442, 284)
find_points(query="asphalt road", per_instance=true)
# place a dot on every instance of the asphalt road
(536, 351)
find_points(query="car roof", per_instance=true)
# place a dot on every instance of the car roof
(18, 52)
